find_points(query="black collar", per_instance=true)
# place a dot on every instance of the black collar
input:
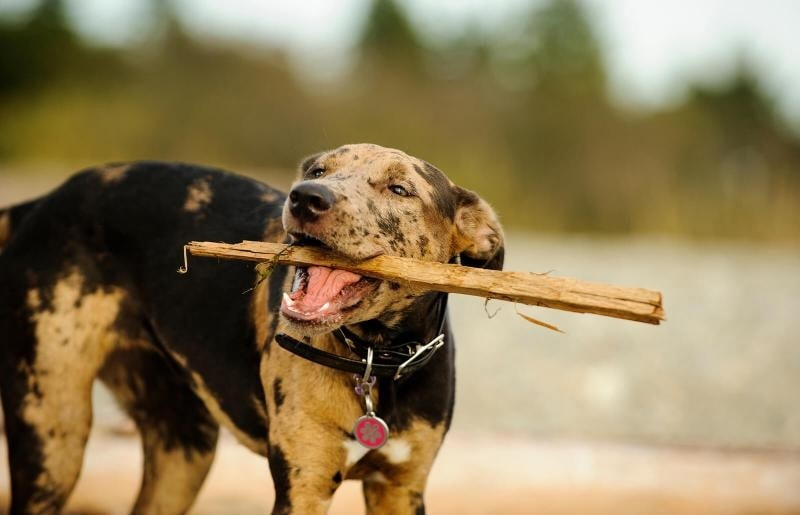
(396, 360)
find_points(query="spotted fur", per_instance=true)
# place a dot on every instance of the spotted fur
(90, 291)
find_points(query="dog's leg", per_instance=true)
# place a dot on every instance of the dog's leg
(398, 485)
(309, 452)
(54, 345)
(306, 469)
(382, 497)
(178, 434)
(47, 424)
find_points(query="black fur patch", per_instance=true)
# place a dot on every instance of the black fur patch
(161, 398)
(279, 467)
(429, 392)
(417, 503)
(390, 226)
(422, 243)
(278, 394)
(442, 192)
(306, 163)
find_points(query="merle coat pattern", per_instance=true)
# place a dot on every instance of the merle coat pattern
(89, 290)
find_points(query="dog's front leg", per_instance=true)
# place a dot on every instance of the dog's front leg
(310, 409)
(383, 498)
(307, 462)
(401, 470)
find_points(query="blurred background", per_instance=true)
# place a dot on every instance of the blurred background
(643, 143)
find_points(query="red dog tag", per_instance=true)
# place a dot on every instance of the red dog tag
(371, 431)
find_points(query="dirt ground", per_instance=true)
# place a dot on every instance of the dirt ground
(480, 474)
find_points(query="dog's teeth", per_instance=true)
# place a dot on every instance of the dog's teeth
(289, 302)
(324, 307)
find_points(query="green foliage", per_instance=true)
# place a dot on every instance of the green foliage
(33, 53)
(522, 117)
(565, 53)
(388, 35)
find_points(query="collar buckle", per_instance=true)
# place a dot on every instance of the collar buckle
(431, 346)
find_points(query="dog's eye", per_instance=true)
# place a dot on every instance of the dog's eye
(316, 173)
(399, 190)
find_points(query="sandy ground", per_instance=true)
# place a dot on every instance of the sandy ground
(480, 474)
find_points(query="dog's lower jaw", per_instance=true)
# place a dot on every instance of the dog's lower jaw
(304, 329)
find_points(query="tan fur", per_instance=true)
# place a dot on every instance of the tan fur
(262, 319)
(198, 195)
(113, 173)
(270, 197)
(398, 487)
(318, 409)
(477, 230)
(171, 478)
(362, 175)
(75, 325)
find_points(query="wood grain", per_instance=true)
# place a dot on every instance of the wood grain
(529, 288)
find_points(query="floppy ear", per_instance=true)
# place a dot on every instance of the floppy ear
(479, 238)
(307, 162)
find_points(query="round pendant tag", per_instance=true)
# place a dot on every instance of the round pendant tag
(371, 431)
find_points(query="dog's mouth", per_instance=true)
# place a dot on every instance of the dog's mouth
(322, 295)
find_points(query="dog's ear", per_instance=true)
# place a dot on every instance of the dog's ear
(479, 239)
(307, 162)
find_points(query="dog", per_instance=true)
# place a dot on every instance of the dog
(328, 374)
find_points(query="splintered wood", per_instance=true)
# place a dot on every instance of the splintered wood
(529, 288)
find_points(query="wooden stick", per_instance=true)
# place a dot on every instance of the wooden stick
(523, 287)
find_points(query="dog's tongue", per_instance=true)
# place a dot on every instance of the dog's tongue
(324, 284)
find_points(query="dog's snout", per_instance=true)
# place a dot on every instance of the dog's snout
(308, 200)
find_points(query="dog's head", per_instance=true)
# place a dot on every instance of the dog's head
(365, 200)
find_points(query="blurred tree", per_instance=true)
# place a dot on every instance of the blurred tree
(388, 36)
(167, 33)
(753, 155)
(743, 114)
(551, 52)
(565, 54)
(562, 111)
(34, 52)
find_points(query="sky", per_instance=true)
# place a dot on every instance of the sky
(652, 48)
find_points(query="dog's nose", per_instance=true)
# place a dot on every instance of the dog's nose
(309, 200)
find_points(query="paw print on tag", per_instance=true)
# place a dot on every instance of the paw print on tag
(371, 432)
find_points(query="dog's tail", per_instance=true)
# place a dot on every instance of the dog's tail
(11, 217)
